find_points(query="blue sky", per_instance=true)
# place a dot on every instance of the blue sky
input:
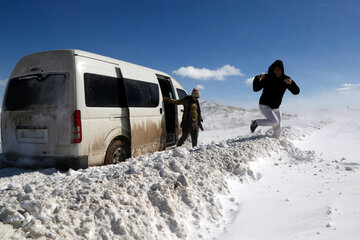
(317, 40)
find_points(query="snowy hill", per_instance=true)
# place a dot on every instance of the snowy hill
(229, 117)
(303, 186)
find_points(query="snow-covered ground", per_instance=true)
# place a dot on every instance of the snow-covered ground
(234, 185)
(317, 198)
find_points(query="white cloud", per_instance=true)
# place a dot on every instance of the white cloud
(343, 89)
(200, 87)
(219, 74)
(351, 85)
(3, 82)
(249, 81)
(347, 87)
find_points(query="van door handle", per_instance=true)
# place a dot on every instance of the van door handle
(182, 110)
(160, 110)
(114, 117)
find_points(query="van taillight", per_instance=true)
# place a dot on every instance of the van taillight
(76, 127)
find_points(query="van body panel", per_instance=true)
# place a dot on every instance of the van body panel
(97, 122)
(50, 61)
(35, 133)
(147, 124)
(147, 134)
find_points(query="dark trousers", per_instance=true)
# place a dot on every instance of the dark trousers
(185, 134)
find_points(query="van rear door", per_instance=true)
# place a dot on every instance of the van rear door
(37, 114)
(38, 105)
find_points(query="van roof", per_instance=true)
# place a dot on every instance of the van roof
(111, 60)
(115, 61)
(102, 58)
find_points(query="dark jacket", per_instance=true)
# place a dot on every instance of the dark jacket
(192, 111)
(273, 87)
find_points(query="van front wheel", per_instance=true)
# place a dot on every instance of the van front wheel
(117, 152)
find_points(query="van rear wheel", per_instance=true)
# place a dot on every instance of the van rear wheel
(117, 152)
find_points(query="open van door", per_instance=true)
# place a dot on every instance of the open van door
(171, 122)
(147, 129)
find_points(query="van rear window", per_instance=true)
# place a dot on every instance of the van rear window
(104, 91)
(40, 91)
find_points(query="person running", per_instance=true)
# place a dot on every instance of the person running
(274, 85)
(191, 119)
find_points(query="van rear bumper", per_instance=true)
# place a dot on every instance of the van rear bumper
(60, 162)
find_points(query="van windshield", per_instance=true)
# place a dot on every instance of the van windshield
(40, 91)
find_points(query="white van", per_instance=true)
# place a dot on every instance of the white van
(70, 108)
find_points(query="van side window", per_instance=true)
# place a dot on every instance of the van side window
(141, 94)
(104, 91)
(181, 93)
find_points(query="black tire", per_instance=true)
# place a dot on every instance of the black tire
(117, 152)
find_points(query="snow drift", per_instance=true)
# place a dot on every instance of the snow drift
(166, 195)
(180, 193)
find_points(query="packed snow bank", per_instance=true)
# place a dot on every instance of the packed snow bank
(181, 193)
(175, 194)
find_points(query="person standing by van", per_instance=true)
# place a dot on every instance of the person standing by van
(274, 85)
(191, 119)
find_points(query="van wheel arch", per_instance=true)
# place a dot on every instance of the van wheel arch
(117, 151)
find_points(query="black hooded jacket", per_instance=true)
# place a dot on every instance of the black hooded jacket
(273, 87)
